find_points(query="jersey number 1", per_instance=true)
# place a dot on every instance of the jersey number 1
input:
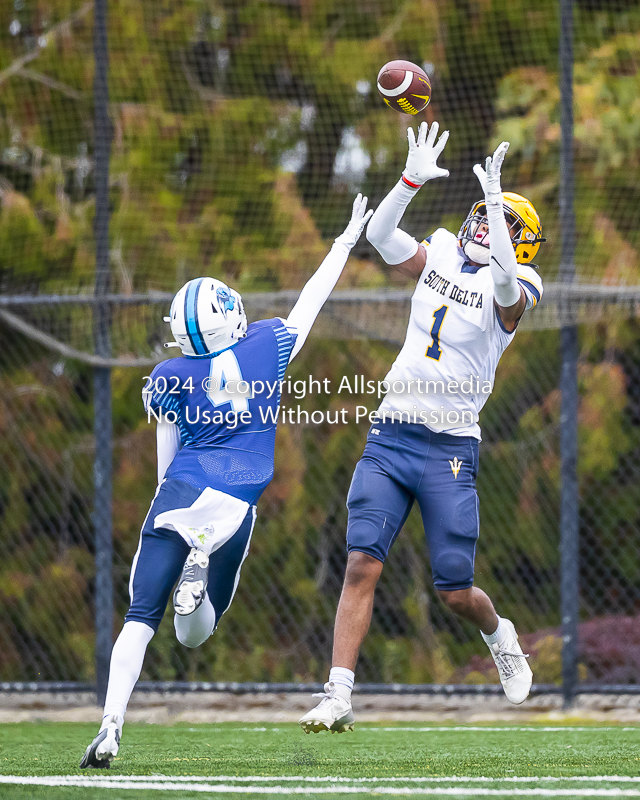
(434, 350)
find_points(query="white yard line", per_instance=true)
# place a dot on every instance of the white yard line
(211, 788)
(337, 779)
(532, 729)
(439, 729)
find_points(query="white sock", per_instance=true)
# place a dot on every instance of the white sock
(126, 665)
(107, 719)
(194, 629)
(343, 679)
(498, 634)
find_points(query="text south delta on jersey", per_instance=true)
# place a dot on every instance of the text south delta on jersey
(270, 417)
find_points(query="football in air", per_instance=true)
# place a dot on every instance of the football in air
(404, 86)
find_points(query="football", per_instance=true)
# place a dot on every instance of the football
(404, 86)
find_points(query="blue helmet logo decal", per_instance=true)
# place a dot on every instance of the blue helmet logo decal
(226, 301)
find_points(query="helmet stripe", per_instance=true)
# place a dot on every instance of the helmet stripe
(191, 318)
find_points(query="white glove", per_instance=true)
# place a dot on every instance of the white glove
(489, 177)
(357, 222)
(421, 162)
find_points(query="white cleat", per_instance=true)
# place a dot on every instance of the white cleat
(515, 673)
(104, 748)
(192, 585)
(333, 713)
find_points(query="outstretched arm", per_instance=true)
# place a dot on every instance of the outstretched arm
(509, 295)
(398, 248)
(318, 288)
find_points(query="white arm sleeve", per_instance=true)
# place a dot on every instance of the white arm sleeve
(393, 244)
(503, 264)
(315, 293)
(168, 443)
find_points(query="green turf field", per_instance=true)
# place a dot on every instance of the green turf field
(185, 762)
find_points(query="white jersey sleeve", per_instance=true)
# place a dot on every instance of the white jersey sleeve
(530, 280)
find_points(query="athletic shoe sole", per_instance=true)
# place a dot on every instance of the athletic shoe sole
(195, 591)
(341, 725)
(192, 586)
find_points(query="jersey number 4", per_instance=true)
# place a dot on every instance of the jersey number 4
(434, 350)
(226, 384)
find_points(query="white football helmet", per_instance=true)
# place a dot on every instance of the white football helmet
(206, 317)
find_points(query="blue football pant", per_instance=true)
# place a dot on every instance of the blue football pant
(162, 553)
(403, 463)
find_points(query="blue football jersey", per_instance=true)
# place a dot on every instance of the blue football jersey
(226, 407)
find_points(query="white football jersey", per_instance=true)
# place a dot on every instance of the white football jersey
(444, 373)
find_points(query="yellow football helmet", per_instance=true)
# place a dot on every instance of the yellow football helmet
(522, 219)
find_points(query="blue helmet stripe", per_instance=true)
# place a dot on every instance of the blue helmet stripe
(191, 318)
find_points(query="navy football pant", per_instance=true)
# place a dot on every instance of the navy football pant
(161, 555)
(402, 463)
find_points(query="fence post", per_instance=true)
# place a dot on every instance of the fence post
(102, 375)
(569, 496)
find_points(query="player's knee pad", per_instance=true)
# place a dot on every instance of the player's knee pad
(453, 568)
(363, 536)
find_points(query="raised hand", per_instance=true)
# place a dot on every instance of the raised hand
(359, 218)
(489, 177)
(423, 153)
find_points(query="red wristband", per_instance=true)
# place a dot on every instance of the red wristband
(412, 185)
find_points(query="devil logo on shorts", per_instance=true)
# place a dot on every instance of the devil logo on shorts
(455, 467)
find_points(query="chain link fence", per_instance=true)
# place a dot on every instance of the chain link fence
(279, 627)
(241, 131)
